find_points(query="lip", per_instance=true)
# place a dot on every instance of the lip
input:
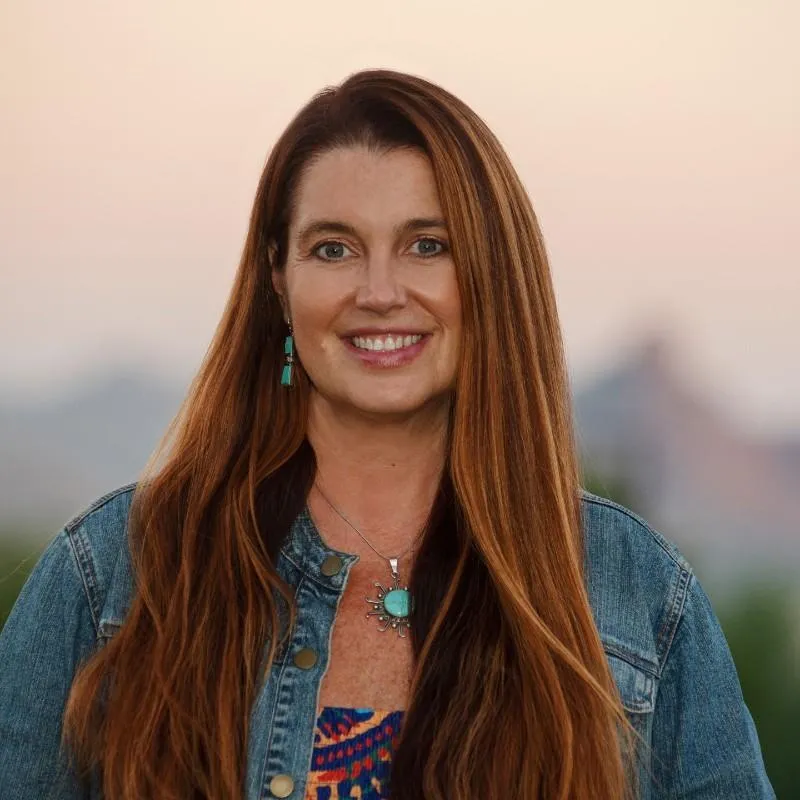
(386, 359)
(383, 332)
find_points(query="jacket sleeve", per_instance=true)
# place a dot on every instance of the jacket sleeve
(705, 745)
(46, 635)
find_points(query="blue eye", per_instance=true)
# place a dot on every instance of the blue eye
(429, 247)
(331, 251)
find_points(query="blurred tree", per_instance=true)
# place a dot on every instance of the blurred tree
(612, 487)
(762, 627)
(17, 559)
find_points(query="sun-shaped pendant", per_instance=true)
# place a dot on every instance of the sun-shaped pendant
(393, 605)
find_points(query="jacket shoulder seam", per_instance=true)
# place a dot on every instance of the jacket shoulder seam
(690, 583)
(85, 570)
(80, 518)
(669, 627)
(82, 552)
(675, 598)
(592, 499)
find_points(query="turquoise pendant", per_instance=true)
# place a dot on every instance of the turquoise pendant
(393, 606)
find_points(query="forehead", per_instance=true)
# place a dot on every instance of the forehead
(364, 188)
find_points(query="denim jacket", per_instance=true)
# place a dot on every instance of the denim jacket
(663, 642)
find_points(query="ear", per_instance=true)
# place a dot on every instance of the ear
(277, 276)
(279, 284)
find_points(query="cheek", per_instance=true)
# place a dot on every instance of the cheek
(454, 323)
(314, 308)
(438, 290)
(451, 308)
(312, 330)
(314, 301)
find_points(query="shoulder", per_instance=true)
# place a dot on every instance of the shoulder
(98, 539)
(607, 523)
(638, 582)
(105, 518)
(80, 584)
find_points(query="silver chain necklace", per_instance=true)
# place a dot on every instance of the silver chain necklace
(393, 604)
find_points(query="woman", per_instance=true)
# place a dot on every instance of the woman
(365, 545)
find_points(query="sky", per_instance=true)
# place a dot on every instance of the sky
(660, 144)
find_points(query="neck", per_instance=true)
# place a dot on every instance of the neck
(383, 475)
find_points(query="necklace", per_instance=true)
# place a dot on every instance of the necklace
(393, 604)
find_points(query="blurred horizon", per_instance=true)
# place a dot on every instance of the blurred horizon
(726, 494)
(47, 388)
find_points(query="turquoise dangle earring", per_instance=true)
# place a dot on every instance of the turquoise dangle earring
(288, 352)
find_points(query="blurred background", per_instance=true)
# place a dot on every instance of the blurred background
(660, 144)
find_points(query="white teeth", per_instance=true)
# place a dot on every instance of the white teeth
(385, 343)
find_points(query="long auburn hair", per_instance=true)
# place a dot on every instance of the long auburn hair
(511, 694)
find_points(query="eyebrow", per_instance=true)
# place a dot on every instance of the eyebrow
(335, 226)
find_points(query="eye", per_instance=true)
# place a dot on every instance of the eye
(331, 251)
(429, 246)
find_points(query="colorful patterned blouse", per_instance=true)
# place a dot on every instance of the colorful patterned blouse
(352, 753)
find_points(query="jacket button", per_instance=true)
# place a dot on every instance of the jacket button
(305, 658)
(332, 565)
(281, 786)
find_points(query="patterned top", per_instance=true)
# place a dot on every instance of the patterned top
(352, 753)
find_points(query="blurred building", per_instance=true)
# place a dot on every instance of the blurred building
(728, 498)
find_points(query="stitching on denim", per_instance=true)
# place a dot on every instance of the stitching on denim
(679, 582)
(96, 505)
(284, 665)
(667, 547)
(79, 544)
(647, 704)
(670, 626)
(309, 575)
(631, 658)
(85, 569)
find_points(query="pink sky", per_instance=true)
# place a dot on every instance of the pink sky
(660, 143)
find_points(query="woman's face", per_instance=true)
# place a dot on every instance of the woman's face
(370, 283)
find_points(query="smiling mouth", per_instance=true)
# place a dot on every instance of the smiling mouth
(385, 344)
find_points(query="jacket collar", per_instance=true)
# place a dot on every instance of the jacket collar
(306, 550)
(303, 548)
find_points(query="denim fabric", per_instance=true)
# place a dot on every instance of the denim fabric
(662, 639)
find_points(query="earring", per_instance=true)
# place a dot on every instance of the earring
(288, 352)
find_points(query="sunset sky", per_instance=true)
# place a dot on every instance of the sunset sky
(660, 143)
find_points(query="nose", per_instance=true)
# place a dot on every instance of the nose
(381, 290)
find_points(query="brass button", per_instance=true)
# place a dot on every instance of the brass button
(281, 786)
(332, 565)
(305, 658)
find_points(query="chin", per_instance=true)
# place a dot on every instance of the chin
(378, 400)
(387, 408)
(394, 404)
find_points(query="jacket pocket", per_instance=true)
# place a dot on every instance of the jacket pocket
(637, 688)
